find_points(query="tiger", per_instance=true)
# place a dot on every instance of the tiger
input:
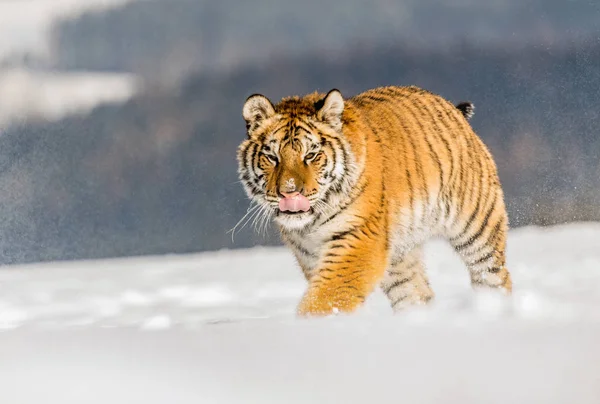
(357, 186)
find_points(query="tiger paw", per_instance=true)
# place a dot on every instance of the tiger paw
(325, 304)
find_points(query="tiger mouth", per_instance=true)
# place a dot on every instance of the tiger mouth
(299, 213)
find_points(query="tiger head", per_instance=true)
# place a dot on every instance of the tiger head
(295, 157)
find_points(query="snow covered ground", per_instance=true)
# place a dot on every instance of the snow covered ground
(220, 328)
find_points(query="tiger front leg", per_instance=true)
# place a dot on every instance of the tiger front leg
(343, 281)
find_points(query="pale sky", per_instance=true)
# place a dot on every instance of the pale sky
(24, 23)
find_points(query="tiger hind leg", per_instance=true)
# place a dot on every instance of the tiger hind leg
(405, 282)
(482, 247)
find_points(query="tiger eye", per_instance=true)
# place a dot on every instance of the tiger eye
(310, 156)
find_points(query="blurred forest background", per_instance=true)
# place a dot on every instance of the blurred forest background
(154, 171)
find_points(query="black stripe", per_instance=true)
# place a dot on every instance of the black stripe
(472, 149)
(469, 190)
(410, 194)
(434, 156)
(373, 98)
(408, 134)
(345, 255)
(291, 131)
(454, 115)
(342, 235)
(399, 300)
(244, 155)
(482, 259)
(476, 211)
(331, 254)
(343, 208)
(372, 222)
(445, 129)
(481, 229)
(419, 168)
(324, 144)
(491, 241)
(426, 299)
(342, 148)
(284, 125)
(381, 211)
(249, 154)
(469, 222)
(470, 141)
(398, 283)
(437, 121)
(255, 159)
(352, 279)
(363, 232)
(304, 129)
(336, 145)
(347, 287)
(407, 266)
(358, 228)
(395, 92)
(333, 262)
(309, 124)
(250, 175)
(384, 213)
(300, 249)
(342, 275)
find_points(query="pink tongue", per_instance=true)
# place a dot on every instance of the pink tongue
(295, 203)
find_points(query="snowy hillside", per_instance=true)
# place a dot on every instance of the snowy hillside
(24, 24)
(26, 94)
(219, 328)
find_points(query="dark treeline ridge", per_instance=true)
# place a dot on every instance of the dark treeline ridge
(170, 38)
(158, 173)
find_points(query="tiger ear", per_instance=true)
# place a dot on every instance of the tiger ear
(330, 109)
(256, 109)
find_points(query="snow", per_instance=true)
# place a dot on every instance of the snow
(26, 94)
(220, 327)
(24, 24)
(30, 94)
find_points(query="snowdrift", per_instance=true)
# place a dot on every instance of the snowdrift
(220, 328)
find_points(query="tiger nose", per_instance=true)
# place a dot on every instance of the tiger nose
(290, 187)
(289, 192)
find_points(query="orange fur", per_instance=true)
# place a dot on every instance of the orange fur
(385, 171)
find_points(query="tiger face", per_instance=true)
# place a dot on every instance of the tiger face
(294, 156)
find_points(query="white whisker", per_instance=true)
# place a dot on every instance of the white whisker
(266, 220)
(323, 204)
(252, 210)
(257, 218)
